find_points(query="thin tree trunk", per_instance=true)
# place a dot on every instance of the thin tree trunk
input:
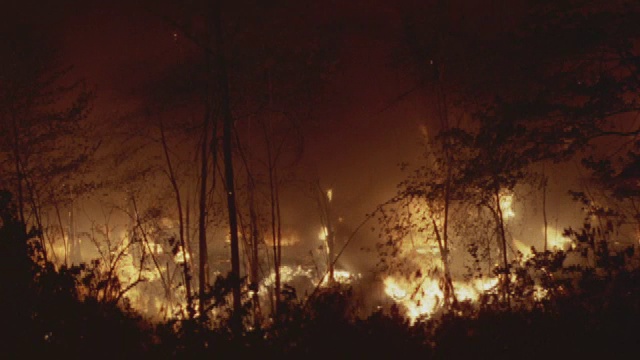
(501, 231)
(176, 190)
(503, 243)
(254, 260)
(449, 292)
(279, 228)
(64, 240)
(444, 248)
(19, 174)
(227, 117)
(145, 240)
(443, 239)
(35, 208)
(203, 268)
(274, 231)
(544, 209)
(252, 246)
(331, 244)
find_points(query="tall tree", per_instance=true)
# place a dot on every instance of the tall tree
(564, 77)
(42, 113)
(249, 75)
(227, 139)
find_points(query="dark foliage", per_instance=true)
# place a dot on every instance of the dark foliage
(588, 311)
(44, 310)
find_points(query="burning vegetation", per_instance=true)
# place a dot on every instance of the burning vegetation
(210, 216)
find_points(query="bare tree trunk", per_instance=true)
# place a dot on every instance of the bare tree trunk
(253, 259)
(145, 241)
(273, 153)
(503, 244)
(279, 228)
(544, 209)
(19, 174)
(35, 209)
(176, 190)
(331, 243)
(203, 268)
(443, 243)
(252, 245)
(443, 239)
(225, 104)
(449, 291)
(21, 179)
(274, 228)
(324, 199)
(62, 235)
(20, 191)
(501, 230)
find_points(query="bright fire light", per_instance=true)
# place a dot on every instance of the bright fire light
(180, 257)
(323, 234)
(424, 297)
(506, 205)
(419, 298)
(341, 277)
(556, 240)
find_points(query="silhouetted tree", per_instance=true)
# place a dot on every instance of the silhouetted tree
(54, 311)
(44, 138)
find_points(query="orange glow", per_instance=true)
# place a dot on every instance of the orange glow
(556, 240)
(506, 205)
(424, 297)
(323, 233)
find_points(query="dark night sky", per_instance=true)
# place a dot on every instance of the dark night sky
(116, 45)
(361, 135)
(364, 131)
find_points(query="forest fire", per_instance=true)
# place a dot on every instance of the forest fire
(209, 179)
(423, 297)
(421, 292)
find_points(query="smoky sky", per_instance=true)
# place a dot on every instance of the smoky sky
(367, 118)
(363, 130)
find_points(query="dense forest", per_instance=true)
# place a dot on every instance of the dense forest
(319, 178)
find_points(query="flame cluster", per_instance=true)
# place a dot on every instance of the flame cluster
(424, 297)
